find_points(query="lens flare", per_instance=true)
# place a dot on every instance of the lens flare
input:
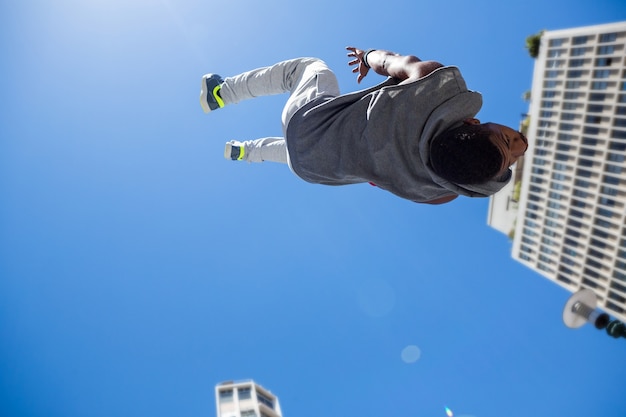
(449, 412)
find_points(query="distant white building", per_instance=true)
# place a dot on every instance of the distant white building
(245, 399)
(570, 224)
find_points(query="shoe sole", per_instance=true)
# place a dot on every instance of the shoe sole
(204, 93)
(228, 150)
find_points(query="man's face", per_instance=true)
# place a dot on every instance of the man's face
(511, 143)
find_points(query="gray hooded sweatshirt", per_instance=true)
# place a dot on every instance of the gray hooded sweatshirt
(382, 135)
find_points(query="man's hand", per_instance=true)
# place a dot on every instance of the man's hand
(361, 68)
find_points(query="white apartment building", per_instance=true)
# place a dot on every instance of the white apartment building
(245, 399)
(570, 225)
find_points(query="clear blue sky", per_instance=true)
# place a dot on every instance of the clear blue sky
(138, 268)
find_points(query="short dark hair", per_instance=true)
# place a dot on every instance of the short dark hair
(465, 155)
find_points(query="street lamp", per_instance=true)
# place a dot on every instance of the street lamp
(581, 309)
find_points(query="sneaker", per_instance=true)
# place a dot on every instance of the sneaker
(234, 150)
(210, 98)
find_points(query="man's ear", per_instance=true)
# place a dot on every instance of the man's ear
(471, 121)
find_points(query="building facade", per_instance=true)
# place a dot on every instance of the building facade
(571, 202)
(245, 399)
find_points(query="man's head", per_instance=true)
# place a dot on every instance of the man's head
(475, 153)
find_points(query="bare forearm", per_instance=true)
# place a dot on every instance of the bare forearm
(389, 64)
(401, 67)
(406, 68)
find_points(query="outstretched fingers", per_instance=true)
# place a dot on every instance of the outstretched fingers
(360, 67)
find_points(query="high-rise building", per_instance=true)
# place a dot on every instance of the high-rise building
(245, 399)
(566, 213)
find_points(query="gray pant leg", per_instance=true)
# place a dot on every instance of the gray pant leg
(265, 149)
(304, 78)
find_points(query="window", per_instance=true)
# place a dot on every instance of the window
(226, 396)
(571, 95)
(574, 84)
(550, 223)
(554, 63)
(578, 51)
(594, 264)
(553, 215)
(579, 40)
(575, 73)
(577, 214)
(597, 97)
(604, 212)
(603, 73)
(604, 62)
(556, 42)
(610, 180)
(536, 180)
(590, 284)
(587, 152)
(529, 232)
(593, 119)
(606, 50)
(608, 190)
(555, 53)
(603, 223)
(595, 108)
(576, 63)
(556, 196)
(591, 130)
(607, 37)
(554, 205)
(545, 259)
(613, 157)
(615, 169)
(600, 233)
(618, 134)
(244, 393)
(567, 126)
(571, 106)
(265, 400)
(599, 85)
(248, 413)
(582, 183)
(616, 146)
(606, 202)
